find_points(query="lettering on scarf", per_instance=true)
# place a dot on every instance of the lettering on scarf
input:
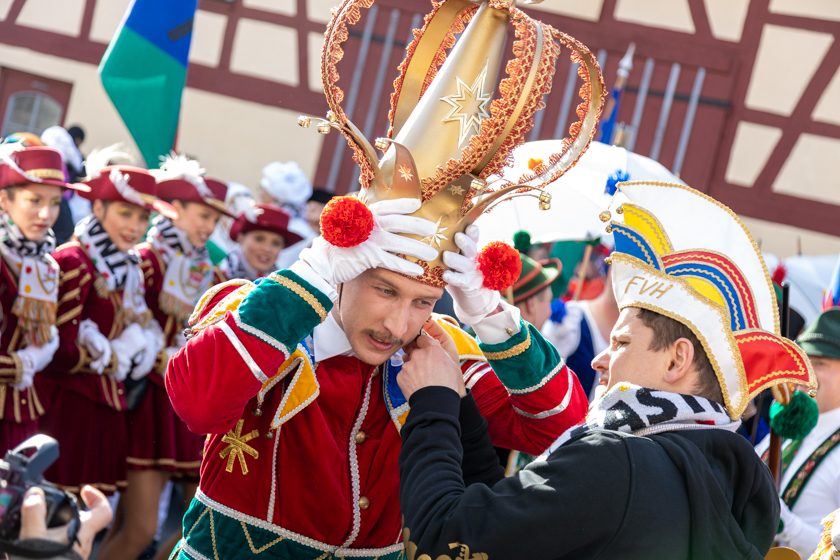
(621, 414)
(668, 410)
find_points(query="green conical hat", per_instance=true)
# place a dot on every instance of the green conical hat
(535, 276)
(822, 337)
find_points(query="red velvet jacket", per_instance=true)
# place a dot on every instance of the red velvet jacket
(154, 271)
(15, 406)
(308, 452)
(80, 299)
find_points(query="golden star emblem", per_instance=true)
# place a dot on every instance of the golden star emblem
(469, 105)
(456, 190)
(238, 447)
(405, 172)
(438, 236)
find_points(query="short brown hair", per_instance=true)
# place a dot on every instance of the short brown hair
(667, 331)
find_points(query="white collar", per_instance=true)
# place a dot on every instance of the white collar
(329, 340)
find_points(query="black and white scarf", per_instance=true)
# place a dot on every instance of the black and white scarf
(236, 265)
(37, 272)
(117, 270)
(642, 412)
(189, 270)
(19, 246)
(112, 264)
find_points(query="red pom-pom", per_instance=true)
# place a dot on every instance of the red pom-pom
(500, 265)
(346, 222)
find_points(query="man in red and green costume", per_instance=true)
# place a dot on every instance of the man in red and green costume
(294, 378)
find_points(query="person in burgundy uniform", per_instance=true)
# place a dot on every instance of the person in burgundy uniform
(177, 270)
(105, 328)
(31, 183)
(260, 233)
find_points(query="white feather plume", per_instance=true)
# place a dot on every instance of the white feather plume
(179, 166)
(6, 151)
(100, 158)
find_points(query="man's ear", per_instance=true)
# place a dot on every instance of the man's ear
(530, 305)
(682, 360)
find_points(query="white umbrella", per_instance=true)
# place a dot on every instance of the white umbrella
(809, 276)
(577, 197)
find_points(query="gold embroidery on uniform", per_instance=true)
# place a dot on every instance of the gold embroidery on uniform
(238, 447)
(464, 552)
(72, 314)
(254, 549)
(72, 294)
(66, 276)
(213, 536)
(301, 292)
(512, 351)
(85, 279)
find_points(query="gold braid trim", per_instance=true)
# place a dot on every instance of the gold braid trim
(72, 314)
(69, 275)
(331, 54)
(72, 294)
(301, 292)
(512, 351)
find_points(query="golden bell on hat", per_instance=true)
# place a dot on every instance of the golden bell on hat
(454, 119)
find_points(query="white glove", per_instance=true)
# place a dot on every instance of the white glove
(464, 281)
(337, 265)
(130, 343)
(145, 361)
(35, 358)
(97, 345)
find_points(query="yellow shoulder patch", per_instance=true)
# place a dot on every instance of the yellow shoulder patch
(466, 345)
(229, 303)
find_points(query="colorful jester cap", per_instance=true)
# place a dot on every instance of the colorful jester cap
(458, 109)
(684, 255)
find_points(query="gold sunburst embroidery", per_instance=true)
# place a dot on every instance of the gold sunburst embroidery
(456, 190)
(238, 447)
(405, 172)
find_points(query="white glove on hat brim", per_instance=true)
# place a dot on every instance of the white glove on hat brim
(464, 281)
(337, 265)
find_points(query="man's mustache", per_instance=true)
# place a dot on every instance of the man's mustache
(385, 337)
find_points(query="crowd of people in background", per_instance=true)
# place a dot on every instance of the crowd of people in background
(104, 261)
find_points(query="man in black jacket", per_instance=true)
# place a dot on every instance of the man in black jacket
(656, 471)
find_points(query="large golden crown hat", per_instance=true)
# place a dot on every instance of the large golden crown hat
(682, 254)
(453, 122)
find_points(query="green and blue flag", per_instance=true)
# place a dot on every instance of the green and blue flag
(144, 71)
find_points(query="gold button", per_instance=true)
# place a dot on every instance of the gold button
(363, 503)
(22, 401)
(509, 331)
(360, 436)
(119, 391)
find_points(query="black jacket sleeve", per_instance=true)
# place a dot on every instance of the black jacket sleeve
(570, 506)
(480, 462)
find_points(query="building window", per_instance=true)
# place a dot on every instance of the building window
(31, 103)
(30, 111)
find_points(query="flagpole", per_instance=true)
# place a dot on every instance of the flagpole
(625, 65)
(782, 394)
